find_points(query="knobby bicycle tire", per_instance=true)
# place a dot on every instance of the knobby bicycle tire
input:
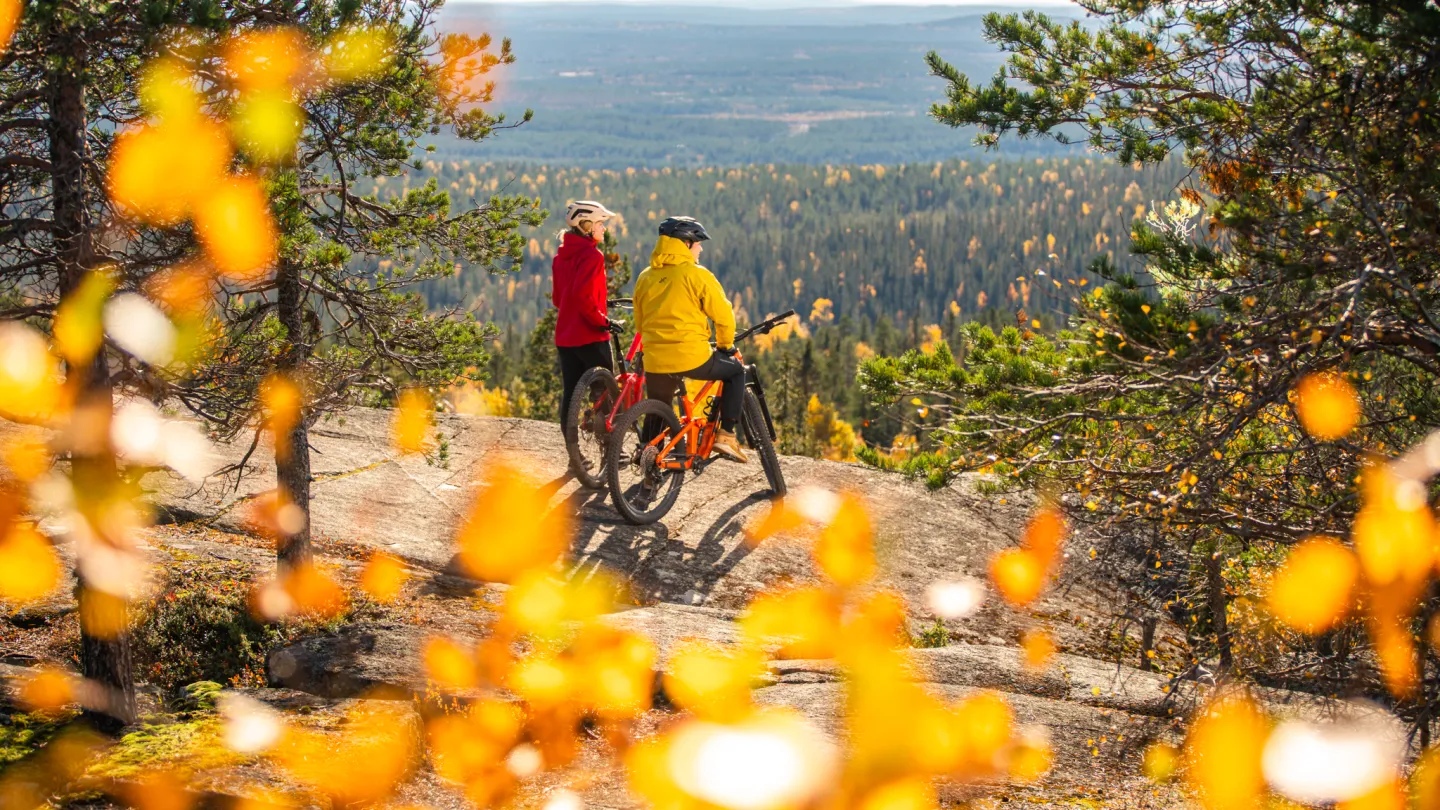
(758, 435)
(633, 499)
(586, 438)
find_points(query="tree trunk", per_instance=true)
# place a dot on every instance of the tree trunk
(292, 457)
(1215, 582)
(1424, 710)
(1147, 642)
(104, 660)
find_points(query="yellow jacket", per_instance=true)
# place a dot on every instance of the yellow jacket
(675, 300)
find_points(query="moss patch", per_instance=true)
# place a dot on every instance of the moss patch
(187, 746)
(23, 734)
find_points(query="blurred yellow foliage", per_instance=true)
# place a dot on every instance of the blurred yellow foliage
(844, 553)
(79, 329)
(9, 16)
(1328, 406)
(161, 173)
(1161, 762)
(511, 528)
(47, 690)
(414, 418)
(801, 622)
(25, 458)
(268, 59)
(312, 592)
(236, 228)
(267, 124)
(1038, 648)
(378, 736)
(280, 401)
(1314, 589)
(29, 566)
(713, 682)
(159, 790)
(357, 53)
(1222, 753)
(30, 386)
(449, 665)
(470, 748)
(1389, 796)
(102, 614)
(383, 577)
(1018, 574)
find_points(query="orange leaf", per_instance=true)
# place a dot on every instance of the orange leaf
(1018, 575)
(1328, 406)
(1314, 589)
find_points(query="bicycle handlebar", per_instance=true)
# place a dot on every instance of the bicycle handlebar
(766, 325)
(619, 302)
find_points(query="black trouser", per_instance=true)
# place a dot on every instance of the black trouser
(720, 366)
(574, 362)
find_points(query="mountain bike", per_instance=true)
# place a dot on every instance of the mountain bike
(599, 399)
(651, 447)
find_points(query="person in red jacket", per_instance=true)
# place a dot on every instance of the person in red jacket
(578, 289)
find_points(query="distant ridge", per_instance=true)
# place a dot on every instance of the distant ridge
(638, 84)
(725, 13)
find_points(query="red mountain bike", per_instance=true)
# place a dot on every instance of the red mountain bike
(652, 447)
(599, 399)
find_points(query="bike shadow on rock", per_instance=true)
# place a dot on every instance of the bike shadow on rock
(660, 565)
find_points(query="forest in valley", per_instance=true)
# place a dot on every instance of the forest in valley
(875, 259)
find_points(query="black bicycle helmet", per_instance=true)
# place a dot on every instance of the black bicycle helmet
(684, 228)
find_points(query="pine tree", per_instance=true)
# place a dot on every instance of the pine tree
(1302, 248)
(63, 84)
(340, 319)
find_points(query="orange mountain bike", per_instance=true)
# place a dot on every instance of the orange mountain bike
(651, 447)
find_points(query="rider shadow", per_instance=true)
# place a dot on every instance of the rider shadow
(658, 566)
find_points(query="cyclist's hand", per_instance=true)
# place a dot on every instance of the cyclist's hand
(728, 350)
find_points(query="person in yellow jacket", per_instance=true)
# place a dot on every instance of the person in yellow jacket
(675, 301)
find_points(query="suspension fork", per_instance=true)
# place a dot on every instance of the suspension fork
(752, 379)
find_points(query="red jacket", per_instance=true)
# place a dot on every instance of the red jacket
(577, 286)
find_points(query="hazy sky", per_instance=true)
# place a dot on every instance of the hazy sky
(807, 3)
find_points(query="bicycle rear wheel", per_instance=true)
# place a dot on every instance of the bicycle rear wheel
(757, 435)
(586, 439)
(641, 491)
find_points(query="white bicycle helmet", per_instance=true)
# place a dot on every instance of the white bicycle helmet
(581, 210)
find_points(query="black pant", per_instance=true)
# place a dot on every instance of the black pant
(574, 362)
(720, 366)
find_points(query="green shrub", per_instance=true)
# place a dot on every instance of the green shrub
(200, 629)
(933, 636)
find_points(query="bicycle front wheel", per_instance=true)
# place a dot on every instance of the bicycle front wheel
(641, 491)
(757, 435)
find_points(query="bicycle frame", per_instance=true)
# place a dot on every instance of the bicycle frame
(697, 431)
(632, 384)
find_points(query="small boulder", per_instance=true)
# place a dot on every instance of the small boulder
(371, 659)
